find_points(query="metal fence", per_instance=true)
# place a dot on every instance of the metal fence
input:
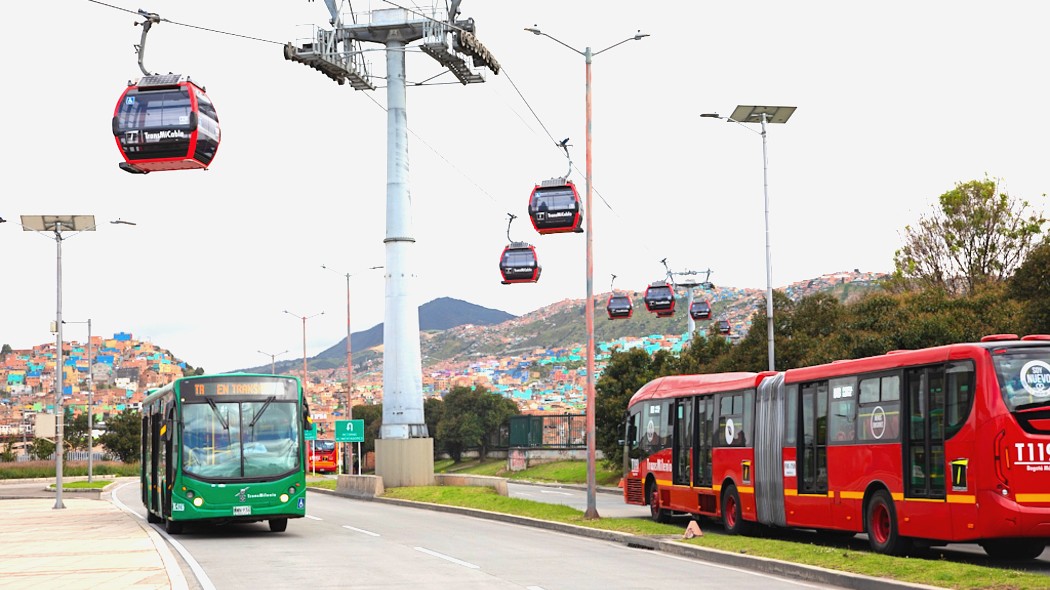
(69, 456)
(567, 431)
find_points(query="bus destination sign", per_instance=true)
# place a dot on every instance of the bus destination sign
(280, 388)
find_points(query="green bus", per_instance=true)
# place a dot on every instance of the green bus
(225, 448)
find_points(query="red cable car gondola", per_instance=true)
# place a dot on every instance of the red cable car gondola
(619, 307)
(723, 327)
(700, 310)
(554, 207)
(519, 264)
(165, 122)
(659, 299)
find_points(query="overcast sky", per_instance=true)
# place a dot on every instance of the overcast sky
(897, 101)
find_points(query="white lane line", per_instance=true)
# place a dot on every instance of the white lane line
(533, 587)
(198, 571)
(447, 558)
(313, 517)
(362, 531)
(556, 493)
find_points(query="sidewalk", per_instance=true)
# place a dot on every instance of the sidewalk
(88, 544)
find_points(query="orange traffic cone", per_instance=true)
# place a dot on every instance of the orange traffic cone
(693, 530)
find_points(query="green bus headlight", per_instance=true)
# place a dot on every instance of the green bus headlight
(198, 501)
(284, 497)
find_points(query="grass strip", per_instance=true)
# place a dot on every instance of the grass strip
(931, 570)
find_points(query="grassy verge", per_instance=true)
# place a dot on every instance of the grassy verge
(836, 556)
(553, 472)
(84, 485)
(38, 469)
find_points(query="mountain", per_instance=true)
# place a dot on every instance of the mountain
(457, 330)
(438, 315)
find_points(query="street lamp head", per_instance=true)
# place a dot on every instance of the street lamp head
(712, 115)
(534, 29)
(640, 35)
(120, 221)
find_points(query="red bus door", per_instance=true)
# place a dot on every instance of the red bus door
(811, 506)
(683, 442)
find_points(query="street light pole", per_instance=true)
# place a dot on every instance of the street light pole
(273, 363)
(762, 115)
(349, 362)
(588, 55)
(91, 391)
(56, 224)
(303, 318)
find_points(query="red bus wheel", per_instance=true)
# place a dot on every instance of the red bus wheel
(732, 519)
(881, 525)
(657, 513)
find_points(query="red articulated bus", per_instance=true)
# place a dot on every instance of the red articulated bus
(915, 448)
(324, 456)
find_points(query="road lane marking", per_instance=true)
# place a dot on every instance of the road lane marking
(447, 558)
(362, 531)
(312, 517)
(557, 493)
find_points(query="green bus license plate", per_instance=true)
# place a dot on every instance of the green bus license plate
(242, 510)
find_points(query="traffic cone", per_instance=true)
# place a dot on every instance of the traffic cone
(693, 530)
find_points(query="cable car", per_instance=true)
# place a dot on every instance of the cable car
(659, 299)
(700, 310)
(619, 307)
(723, 327)
(555, 207)
(165, 122)
(519, 264)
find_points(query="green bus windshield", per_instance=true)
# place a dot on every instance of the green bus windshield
(232, 440)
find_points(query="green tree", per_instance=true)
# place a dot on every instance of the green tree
(123, 436)
(373, 417)
(979, 234)
(41, 448)
(433, 410)
(1030, 285)
(460, 427)
(493, 411)
(624, 374)
(75, 433)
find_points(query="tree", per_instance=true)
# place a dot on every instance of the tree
(978, 235)
(624, 374)
(471, 418)
(433, 410)
(1031, 286)
(460, 428)
(123, 436)
(41, 448)
(373, 417)
(75, 433)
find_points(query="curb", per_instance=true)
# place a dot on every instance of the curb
(745, 562)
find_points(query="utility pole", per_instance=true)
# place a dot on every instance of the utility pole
(338, 54)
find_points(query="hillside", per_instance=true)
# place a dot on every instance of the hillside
(437, 315)
(457, 330)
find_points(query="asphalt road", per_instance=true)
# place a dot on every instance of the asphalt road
(346, 543)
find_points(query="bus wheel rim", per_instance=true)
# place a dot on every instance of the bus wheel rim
(881, 524)
(731, 511)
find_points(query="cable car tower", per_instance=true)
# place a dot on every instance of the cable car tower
(404, 453)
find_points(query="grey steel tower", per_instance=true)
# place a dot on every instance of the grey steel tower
(404, 453)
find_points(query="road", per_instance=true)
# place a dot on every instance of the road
(346, 543)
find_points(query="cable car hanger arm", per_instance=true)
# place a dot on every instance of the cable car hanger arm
(140, 49)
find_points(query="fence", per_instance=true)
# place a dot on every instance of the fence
(69, 456)
(566, 431)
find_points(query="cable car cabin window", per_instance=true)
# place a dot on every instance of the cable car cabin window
(155, 109)
(842, 419)
(561, 198)
(519, 258)
(879, 409)
(700, 310)
(734, 419)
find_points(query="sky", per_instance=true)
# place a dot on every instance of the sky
(896, 102)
